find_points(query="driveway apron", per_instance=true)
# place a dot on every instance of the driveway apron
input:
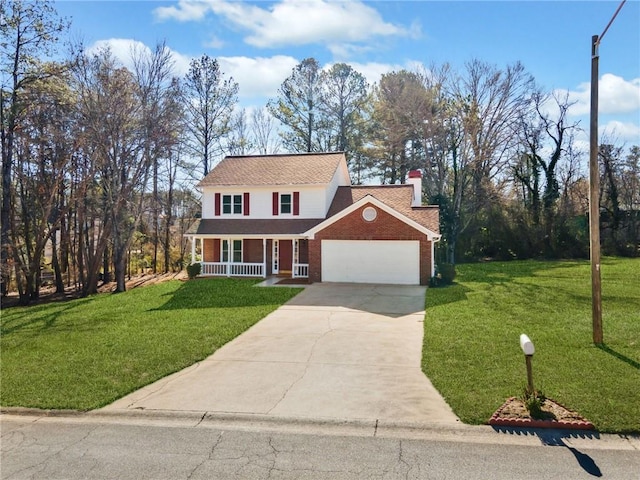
(335, 351)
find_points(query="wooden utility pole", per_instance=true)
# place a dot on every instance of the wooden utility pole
(594, 200)
(594, 189)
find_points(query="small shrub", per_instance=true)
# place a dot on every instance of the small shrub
(533, 401)
(447, 273)
(194, 270)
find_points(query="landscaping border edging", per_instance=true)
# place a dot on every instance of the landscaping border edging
(496, 420)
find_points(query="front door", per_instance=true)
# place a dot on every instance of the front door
(285, 254)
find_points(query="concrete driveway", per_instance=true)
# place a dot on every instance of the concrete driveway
(335, 351)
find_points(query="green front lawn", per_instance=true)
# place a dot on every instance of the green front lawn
(86, 353)
(472, 328)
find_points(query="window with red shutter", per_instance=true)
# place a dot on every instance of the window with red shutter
(296, 203)
(246, 204)
(217, 205)
(275, 197)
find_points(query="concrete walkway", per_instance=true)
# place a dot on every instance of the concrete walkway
(334, 352)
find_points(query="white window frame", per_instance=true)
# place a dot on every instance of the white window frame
(290, 203)
(224, 250)
(233, 204)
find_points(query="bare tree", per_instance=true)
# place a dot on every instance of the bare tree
(493, 101)
(238, 141)
(447, 167)
(209, 100)
(541, 132)
(28, 32)
(263, 129)
(115, 136)
(152, 71)
(42, 151)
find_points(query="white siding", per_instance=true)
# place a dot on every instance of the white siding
(208, 203)
(312, 201)
(340, 179)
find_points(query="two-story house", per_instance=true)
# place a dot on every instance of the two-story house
(300, 216)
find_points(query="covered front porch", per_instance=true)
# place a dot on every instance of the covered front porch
(251, 257)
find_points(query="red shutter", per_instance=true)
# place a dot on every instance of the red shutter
(246, 204)
(296, 203)
(217, 207)
(276, 202)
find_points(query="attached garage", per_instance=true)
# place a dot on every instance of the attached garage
(371, 261)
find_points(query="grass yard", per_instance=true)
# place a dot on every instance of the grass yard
(472, 328)
(86, 353)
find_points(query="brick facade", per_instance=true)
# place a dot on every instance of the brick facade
(211, 250)
(252, 250)
(354, 227)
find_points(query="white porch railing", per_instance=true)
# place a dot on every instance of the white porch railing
(232, 269)
(246, 269)
(214, 268)
(300, 270)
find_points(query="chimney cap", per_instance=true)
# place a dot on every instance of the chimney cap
(415, 174)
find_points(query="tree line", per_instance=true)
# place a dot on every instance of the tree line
(98, 160)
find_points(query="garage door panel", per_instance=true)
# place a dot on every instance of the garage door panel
(371, 261)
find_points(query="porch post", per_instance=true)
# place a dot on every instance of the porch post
(229, 256)
(296, 258)
(264, 258)
(193, 250)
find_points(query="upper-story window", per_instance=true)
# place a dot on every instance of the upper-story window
(285, 203)
(236, 204)
(232, 204)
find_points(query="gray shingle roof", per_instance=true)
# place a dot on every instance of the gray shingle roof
(217, 226)
(297, 169)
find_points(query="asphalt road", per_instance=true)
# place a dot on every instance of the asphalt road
(86, 447)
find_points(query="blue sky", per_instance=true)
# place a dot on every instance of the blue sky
(258, 43)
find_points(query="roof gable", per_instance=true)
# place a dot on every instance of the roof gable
(369, 199)
(266, 170)
(398, 197)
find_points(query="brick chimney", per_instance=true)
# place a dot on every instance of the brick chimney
(415, 178)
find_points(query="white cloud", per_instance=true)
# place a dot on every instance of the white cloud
(257, 77)
(373, 71)
(123, 48)
(185, 11)
(294, 22)
(260, 76)
(621, 132)
(214, 42)
(615, 95)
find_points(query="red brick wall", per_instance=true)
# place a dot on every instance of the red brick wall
(210, 250)
(354, 227)
(252, 250)
(303, 251)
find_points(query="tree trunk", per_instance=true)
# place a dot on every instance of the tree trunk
(120, 263)
(56, 264)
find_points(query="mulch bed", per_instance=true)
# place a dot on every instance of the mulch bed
(294, 281)
(49, 295)
(513, 413)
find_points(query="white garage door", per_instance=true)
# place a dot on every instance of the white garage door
(371, 261)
